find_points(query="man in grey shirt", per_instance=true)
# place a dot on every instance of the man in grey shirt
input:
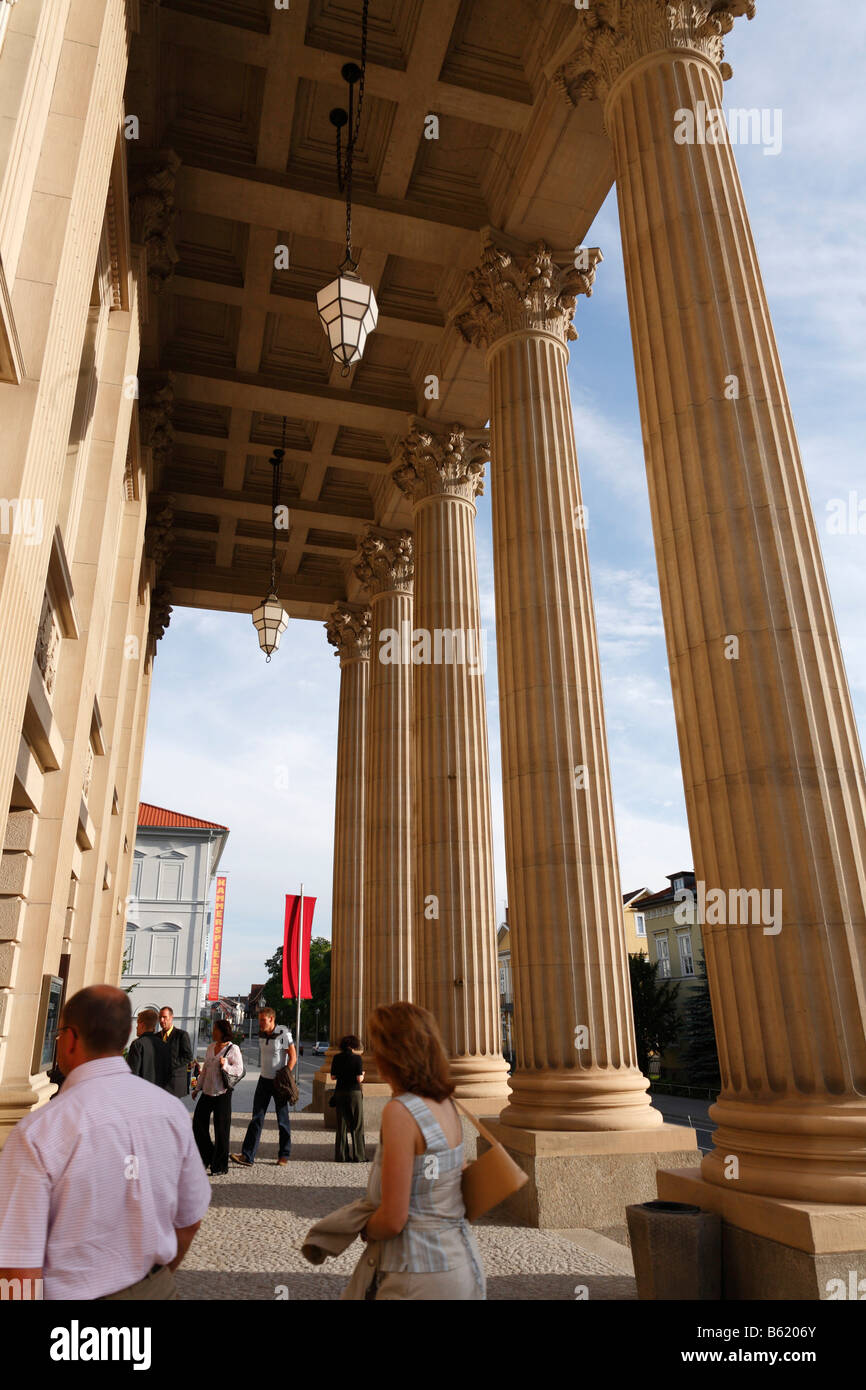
(276, 1050)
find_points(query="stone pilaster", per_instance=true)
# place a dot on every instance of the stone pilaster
(576, 1057)
(348, 629)
(385, 566)
(455, 909)
(772, 767)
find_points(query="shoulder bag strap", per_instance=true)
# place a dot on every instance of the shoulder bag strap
(485, 1133)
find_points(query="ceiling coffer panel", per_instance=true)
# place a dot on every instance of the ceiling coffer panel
(243, 14)
(312, 159)
(215, 107)
(334, 25)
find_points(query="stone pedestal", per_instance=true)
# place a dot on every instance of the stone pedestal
(442, 471)
(589, 1178)
(777, 1249)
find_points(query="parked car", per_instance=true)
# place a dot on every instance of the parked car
(320, 1049)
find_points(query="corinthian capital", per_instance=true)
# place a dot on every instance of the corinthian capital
(386, 561)
(510, 292)
(613, 34)
(433, 463)
(348, 629)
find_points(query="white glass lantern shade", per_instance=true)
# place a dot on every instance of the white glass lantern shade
(270, 621)
(349, 313)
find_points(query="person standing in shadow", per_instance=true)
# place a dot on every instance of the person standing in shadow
(176, 1048)
(145, 1058)
(347, 1070)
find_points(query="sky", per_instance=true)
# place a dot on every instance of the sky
(253, 746)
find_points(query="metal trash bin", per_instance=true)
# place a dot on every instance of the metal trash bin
(677, 1251)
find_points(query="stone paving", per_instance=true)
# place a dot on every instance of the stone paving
(248, 1246)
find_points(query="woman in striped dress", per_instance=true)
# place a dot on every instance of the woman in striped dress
(418, 1238)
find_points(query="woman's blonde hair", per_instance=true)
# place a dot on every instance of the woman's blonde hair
(407, 1045)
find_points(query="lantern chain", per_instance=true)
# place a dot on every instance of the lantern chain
(277, 462)
(345, 169)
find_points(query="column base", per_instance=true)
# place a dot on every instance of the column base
(576, 1100)
(587, 1178)
(19, 1099)
(774, 1248)
(481, 1079)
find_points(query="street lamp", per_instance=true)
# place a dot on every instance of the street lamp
(317, 1027)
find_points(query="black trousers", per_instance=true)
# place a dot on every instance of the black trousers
(214, 1153)
(349, 1106)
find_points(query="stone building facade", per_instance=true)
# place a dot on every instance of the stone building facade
(168, 917)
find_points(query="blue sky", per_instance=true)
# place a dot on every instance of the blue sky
(254, 745)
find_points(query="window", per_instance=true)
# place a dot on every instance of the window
(135, 881)
(640, 924)
(168, 889)
(663, 956)
(502, 980)
(687, 965)
(128, 952)
(164, 953)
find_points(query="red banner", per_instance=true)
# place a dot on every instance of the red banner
(218, 914)
(290, 947)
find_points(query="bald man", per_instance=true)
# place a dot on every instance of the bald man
(101, 1192)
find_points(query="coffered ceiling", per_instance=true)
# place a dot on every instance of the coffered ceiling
(241, 91)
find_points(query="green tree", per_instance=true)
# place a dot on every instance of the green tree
(701, 1057)
(654, 1002)
(124, 970)
(320, 984)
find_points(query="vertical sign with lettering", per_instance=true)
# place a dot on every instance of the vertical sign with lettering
(218, 914)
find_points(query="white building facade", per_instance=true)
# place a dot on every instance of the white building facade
(166, 956)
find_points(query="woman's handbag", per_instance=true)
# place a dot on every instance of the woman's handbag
(492, 1177)
(231, 1081)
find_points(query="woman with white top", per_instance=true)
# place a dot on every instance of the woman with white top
(222, 1059)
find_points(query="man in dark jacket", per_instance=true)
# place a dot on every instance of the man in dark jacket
(175, 1046)
(144, 1058)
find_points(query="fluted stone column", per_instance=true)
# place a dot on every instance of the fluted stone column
(576, 1057)
(772, 767)
(455, 909)
(348, 629)
(385, 567)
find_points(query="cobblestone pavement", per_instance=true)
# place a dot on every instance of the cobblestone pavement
(248, 1246)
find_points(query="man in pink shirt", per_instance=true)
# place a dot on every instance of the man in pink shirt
(102, 1190)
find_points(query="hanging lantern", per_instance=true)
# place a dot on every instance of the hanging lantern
(349, 313)
(347, 307)
(270, 619)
